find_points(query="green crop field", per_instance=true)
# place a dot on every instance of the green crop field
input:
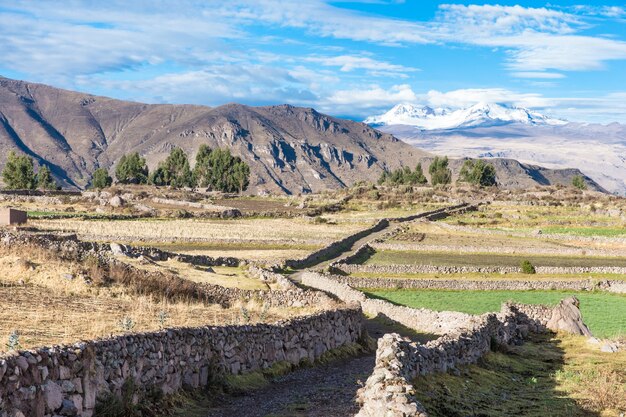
(604, 313)
(391, 257)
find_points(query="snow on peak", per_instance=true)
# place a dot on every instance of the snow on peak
(479, 115)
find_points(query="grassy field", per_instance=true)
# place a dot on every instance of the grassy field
(604, 313)
(391, 257)
(556, 377)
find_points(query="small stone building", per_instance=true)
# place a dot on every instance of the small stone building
(9, 216)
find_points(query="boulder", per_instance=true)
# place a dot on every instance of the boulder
(566, 317)
(116, 201)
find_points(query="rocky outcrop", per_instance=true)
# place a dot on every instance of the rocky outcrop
(566, 317)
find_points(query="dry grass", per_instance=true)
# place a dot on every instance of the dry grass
(44, 307)
(223, 276)
(292, 232)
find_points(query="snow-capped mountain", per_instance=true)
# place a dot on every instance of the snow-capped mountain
(478, 115)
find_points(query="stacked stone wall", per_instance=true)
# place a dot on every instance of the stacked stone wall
(454, 269)
(66, 380)
(614, 286)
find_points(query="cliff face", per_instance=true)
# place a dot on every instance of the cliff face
(289, 149)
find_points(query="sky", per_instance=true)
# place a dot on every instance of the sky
(346, 58)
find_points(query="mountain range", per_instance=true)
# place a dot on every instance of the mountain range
(497, 131)
(289, 149)
(479, 115)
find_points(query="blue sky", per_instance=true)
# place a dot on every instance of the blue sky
(346, 58)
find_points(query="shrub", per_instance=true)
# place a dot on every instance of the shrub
(439, 171)
(579, 182)
(404, 176)
(101, 179)
(18, 173)
(527, 267)
(478, 172)
(132, 169)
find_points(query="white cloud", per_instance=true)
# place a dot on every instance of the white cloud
(360, 100)
(538, 75)
(348, 63)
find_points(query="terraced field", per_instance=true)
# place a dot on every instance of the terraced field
(604, 313)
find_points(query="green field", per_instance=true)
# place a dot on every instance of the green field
(393, 257)
(605, 314)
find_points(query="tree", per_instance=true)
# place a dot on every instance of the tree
(404, 176)
(478, 172)
(174, 171)
(18, 173)
(132, 169)
(220, 170)
(439, 171)
(101, 179)
(202, 169)
(45, 180)
(579, 182)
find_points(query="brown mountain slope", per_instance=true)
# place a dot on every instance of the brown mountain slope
(289, 149)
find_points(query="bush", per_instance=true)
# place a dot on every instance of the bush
(439, 171)
(18, 173)
(527, 267)
(478, 172)
(101, 179)
(579, 182)
(132, 169)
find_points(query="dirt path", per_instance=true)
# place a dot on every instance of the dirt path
(327, 390)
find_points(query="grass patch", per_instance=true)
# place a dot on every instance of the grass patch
(587, 231)
(604, 313)
(544, 377)
(392, 257)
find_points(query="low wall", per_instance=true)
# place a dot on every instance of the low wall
(614, 286)
(565, 251)
(334, 248)
(67, 380)
(445, 269)
(422, 320)
(389, 392)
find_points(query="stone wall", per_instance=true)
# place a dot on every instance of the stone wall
(502, 250)
(65, 380)
(614, 286)
(334, 248)
(422, 320)
(447, 269)
(389, 392)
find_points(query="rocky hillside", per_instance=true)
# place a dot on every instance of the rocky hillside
(289, 149)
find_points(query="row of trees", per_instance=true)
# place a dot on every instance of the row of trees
(19, 174)
(215, 168)
(476, 172)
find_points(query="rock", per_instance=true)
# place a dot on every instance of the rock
(68, 408)
(53, 396)
(567, 317)
(68, 277)
(117, 249)
(210, 270)
(609, 347)
(116, 201)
